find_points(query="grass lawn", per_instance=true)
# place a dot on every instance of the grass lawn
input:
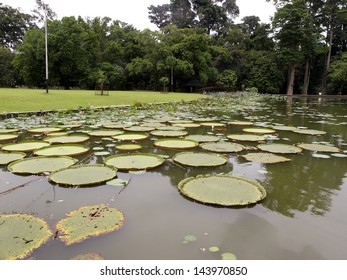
(20, 100)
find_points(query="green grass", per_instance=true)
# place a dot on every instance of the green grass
(22, 100)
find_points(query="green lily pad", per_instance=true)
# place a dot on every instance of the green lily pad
(180, 121)
(338, 155)
(212, 124)
(83, 175)
(117, 182)
(6, 158)
(222, 190)
(168, 133)
(172, 127)
(222, 147)
(316, 155)
(309, 131)
(62, 150)
(89, 221)
(240, 123)
(8, 130)
(130, 137)
(187, 125)
(259, 130)
(44, 130)
(176, 143)
(139, 128)
(136, 161)
(88, 256)
(64, 139)
(265, 158)
(58, 133)
(25, 146)
(246, 137)
(129, 147)
(190, 238)
(213, 249)
(116, 125)
(229, 256)
(318, 148)
(105, 133)
(38, 165)
(20, 235)
(102, 153)
(8, 137)
(279, 148)
(203, 138)
(284, 127)
(199, 159)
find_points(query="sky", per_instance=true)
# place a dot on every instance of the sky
(130, 11)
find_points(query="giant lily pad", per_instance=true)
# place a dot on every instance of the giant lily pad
(62, 150)
(129, 147)
(6, 158)
(139, 128)
(265, 158)
(38, 165)
(279, 148)
(309, 131)
(137, 161)
(318, 147)
(105, 133)
(199, 159)
(246, 137)
(176, 143)
(25, 146)
(20, 235)
(258, 130)
(222, 190)
(187, 125)
(203, 138)
(222, 147)
(212, 124)
(168, 133)
(63, 139)
(8, 137)
(44, 130)
(240, 123)
(8, 130)
(83, 175)
(89, 221)
(130, 137)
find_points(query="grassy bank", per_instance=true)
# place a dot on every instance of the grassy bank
(20, 100)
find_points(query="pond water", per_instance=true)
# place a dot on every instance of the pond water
(302, 217)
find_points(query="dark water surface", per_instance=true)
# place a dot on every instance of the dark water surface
(302, 217)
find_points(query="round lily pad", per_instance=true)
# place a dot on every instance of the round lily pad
(168, 133)
(172, 127)
(83, 175)
(38, 165)
(8, 137)
(222, 147)
(137, 161)
(130, 137)
(64, 139)
(129, 147)
(279, 148)
(44, 130)
(105, 133)
(222, 190)
(139, 128)
(25, 146)
(318, 147)
(6, 157)
(187, 125)
(265, 158)
(89, 221)
(246, 137)
(212, 124)
(176, 143)
(259, 130)
(20, 235)
(284, 127)
(240, 123)
(199, 159)
(62, 150)
(203, 138)
(229, 256)
(309, 131)
(8, 130)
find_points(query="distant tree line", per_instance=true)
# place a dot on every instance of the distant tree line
(198, 46)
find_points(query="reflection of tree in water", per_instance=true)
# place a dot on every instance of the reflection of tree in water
(305, 184)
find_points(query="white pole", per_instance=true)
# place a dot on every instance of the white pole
(46, 47)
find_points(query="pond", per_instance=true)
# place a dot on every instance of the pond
(301, 217)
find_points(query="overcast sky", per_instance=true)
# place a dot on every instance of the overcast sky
(130, 11)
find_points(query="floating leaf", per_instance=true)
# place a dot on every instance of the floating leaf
(284, 128)
(64, 139)
(25, 146)
(320, 156)
(203, 138)
(200, 159)
(44, 130)
(279, 148)
(246, 137)
(105, 133)
(318, 148)
(8, 137)
(89, 221)
(222, 190)
(88, 256)
(240, 123)
(187, 125)
(176, 143)
(222, 147)
(190, 238)
(213, 249)
(102, 153)
(172, 128)
(212, 124)
(168, 133)
(339, 155)
(8, 130)
(38, 165)
(309, 131)
(83, 175)
(62, 150)
(229, 256)
(6, 158)
(117, 182)
(139, 128)
(259, 130)
(131, 137)
(137, 161)
(20, 235)
(265, 158)
(129, 147)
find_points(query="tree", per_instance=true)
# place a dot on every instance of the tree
(160, 15)
(227, 78)
(338, 74)
(7, 73)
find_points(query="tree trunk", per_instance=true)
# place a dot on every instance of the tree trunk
(291, 76)
(307, 76)
(327, 63)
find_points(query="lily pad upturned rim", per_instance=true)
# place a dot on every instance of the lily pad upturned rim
(82, 149)
(205, 187)
(14, 147)
(90, 182)
(261, 158)
(15, 156)
(44, 129)
(168, 133)
(67, 139)
(203, 138)
(133, 166)
(318, 147)
(130, 137)
(259, 130)
(105, 132)
(186, 158)
(183, 143)
(279, 148)
(217, 147)
(128, 147)
(7, 137)
(246, 137)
